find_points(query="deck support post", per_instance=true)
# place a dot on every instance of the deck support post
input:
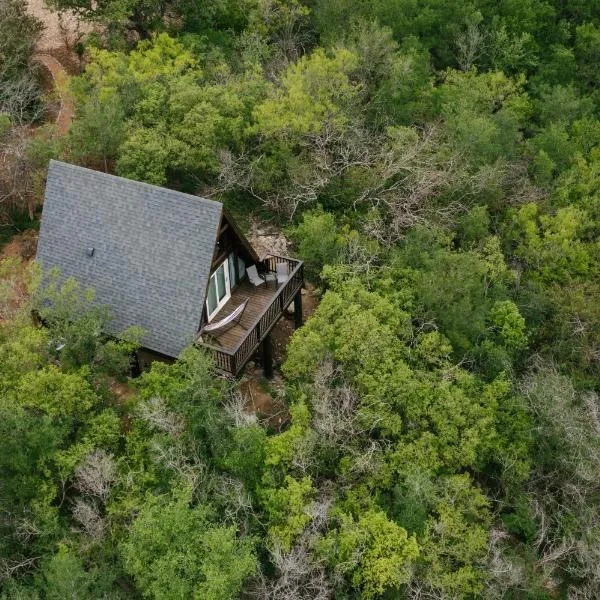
(267, 356)
(298, 309)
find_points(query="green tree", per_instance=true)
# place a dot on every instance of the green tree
(317, 239)
(30, 441)
(66, 577)
(141, 16)
(373, 551)
(456, 540)
(587, 52)
(175, 550)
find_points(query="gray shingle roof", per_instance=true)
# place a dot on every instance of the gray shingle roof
(153, 249)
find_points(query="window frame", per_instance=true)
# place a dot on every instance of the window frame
(214, 278)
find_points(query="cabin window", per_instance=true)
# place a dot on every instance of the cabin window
(241, 268)
(219, 290)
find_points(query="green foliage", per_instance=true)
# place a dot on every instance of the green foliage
(396, 79)
(437, 166)
(287, 509)
(66, 577)
(552, 245)
(520, 522)
(484, 114)
(314, 91)
(463, 292)
(60, 395)
(77, 326)
(30, 441)
(505, 316)
(317, 239)
(374, 551)
(456, 540)
(587, 52)
(174, 551)
(165, 116)
(146, 155)
(98, 131)
(282, 449)
(5, 124)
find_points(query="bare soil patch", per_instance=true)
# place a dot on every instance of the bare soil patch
(62, 29)
(60, 79)
(22, 245)
(13, 289)
(122, 391)
(269, 408)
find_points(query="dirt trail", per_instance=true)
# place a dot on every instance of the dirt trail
(55, 52)
(61, 29)
(60, 77)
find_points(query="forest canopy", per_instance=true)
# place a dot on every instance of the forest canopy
(436, 164)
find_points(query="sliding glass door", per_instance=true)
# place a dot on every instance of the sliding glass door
(219, 290)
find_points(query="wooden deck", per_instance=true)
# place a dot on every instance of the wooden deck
(233, 347)
(260, 297)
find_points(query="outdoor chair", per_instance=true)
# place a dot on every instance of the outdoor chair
(283, 272)
(254, 277)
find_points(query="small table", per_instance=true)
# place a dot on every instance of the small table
(270, 277)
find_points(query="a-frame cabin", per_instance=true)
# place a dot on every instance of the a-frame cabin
(174, 264)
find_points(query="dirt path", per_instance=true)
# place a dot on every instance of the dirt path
(60, 78)
(55, 52)
(60, 29)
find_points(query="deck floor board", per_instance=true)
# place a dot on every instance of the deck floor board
(260, 297)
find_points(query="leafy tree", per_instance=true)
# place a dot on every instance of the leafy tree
(484, 113)
(98, 131)
(19, 33)
(167, 118)
(140, 16)
(317, 239)
(374, 551)
(587, 49)
(66, 577)
(286, 507)
(78, 326)
(456, 540)
(316, 91)
(551, 245)
(30, 442)
(174, 551)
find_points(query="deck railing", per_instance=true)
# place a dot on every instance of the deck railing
(231, 361)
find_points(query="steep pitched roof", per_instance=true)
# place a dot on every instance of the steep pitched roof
(153, 249)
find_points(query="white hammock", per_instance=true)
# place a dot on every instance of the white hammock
(236, 314)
